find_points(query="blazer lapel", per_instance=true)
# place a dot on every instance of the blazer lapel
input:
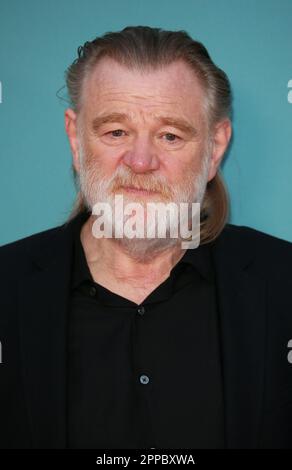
(242, 307)
(43, 321)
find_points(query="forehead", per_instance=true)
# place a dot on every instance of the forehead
(112, 86)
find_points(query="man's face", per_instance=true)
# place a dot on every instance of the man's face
(143, 130)
(145, 144)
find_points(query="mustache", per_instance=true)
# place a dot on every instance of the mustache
(149, 183)
(125, 177)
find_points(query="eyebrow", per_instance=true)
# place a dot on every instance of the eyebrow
(179, 123)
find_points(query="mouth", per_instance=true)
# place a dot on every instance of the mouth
(141, 191)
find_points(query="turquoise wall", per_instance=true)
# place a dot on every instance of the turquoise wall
(250, 39)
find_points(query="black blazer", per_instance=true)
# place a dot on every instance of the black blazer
(254, 285)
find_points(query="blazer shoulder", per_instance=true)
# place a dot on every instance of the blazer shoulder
(30, 240)
(272, 254)
(244, 233)
(15, 255)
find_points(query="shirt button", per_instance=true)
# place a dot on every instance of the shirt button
(144, 379)
(141, 310)
(92, 291)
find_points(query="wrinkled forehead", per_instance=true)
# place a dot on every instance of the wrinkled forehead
(112, 86)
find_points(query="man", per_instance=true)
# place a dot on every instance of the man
(121, 342)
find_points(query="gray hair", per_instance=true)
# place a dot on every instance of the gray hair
(145, 48)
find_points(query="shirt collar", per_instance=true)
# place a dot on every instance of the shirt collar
(200, 259)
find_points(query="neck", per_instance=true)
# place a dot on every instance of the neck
(108, 259)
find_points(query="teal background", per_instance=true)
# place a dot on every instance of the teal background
(250, 39)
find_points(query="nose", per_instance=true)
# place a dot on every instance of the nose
(141, 157)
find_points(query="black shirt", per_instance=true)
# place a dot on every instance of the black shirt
(149, 375)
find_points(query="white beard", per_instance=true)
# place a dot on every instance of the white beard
(95, 187)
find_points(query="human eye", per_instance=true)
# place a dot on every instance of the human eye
(114, 136)
(115, 133)
(171, 138)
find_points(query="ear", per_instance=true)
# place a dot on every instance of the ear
(71, 130)
(221, 137)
